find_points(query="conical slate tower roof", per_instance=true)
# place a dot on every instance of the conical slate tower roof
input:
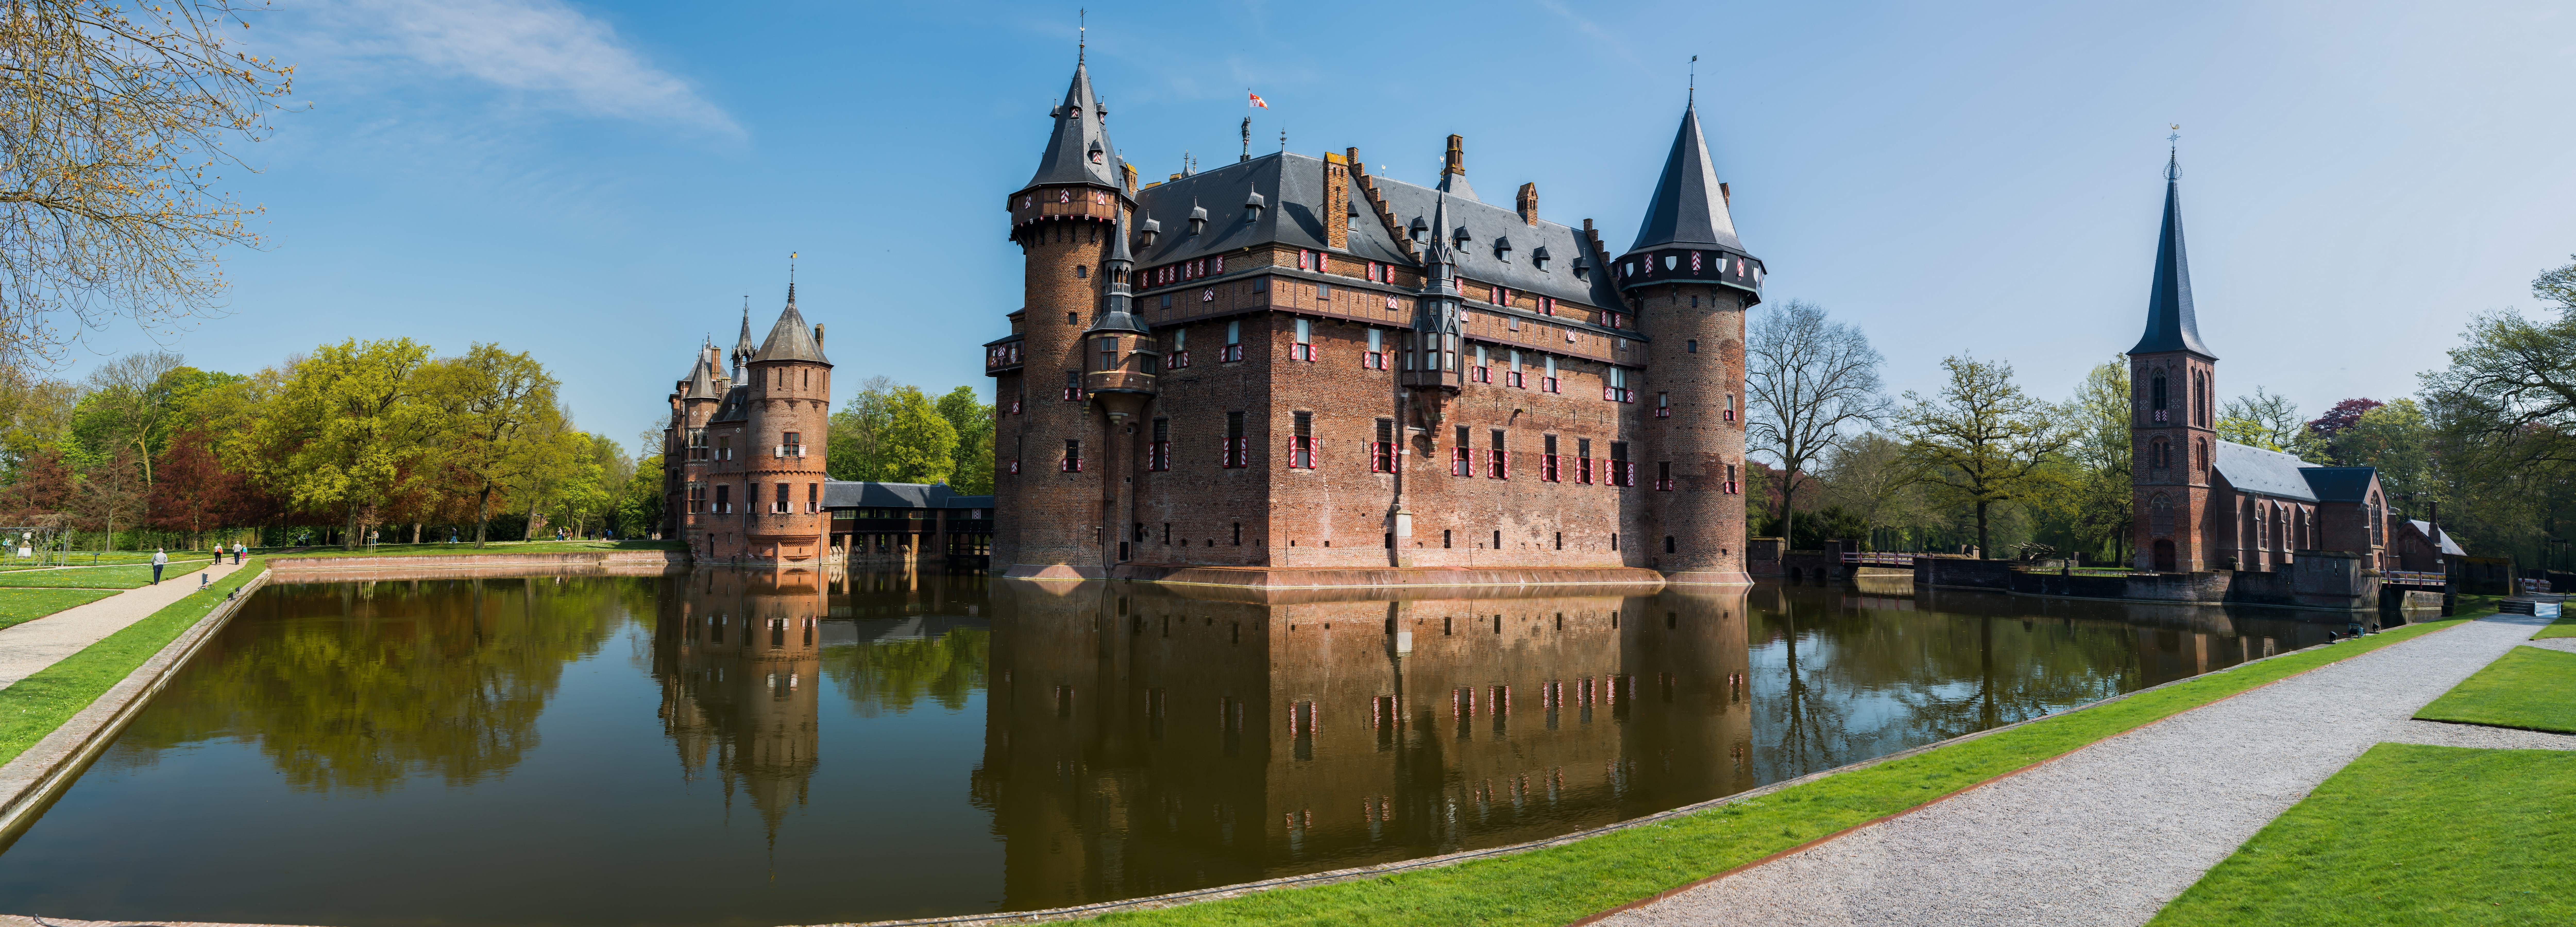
(1079, 151)
(1117, 313)
(2170, 323)
(702, 384)
(1688, 209)
(791, 339)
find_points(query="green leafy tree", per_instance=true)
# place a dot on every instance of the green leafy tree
(340, 435)
(857, 428)
(2266, 420)
(492, 401)
(2397, 439)
(2097, 498)
(973, 420)
(1981, 440)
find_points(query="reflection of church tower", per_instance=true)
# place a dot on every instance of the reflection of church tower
(741, 668)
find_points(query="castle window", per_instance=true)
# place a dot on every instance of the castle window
(1167, 300)
(1731, 488)
(1500, 466)
(1301, 441)
(1617, 389)
(1547, 469)
(1158, 456)
(1512, 378)
(791, 444)
(1382, 451)
(1081, 272)
(1238, 534)
(1730, 407)
(778, 501)
(1484, 366)
(1180, 356)
(1547, 305)
(1583, 461)
(1444, 538)
(1691, 346)
(1233, 350)
(1664, 475)
(1547, 384)
(1323, 291)
(1237, 450)
(1304, 347)
(1108, 348)
(697, 496)
(1503, 248)
(724, 499)
(813, 498)
(724, 448)
(2203, 459)
(1072, 456)
(1303, 256)
(1462, 459)
(1621, 474)
(750, 497)
(1073, 386)
(1375, 357)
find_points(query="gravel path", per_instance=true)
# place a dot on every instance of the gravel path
(34, 645)
(2109, 833)
(2556, 643)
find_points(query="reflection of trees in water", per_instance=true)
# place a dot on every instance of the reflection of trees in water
(896, 675)
(361, 685)
(1857, 683)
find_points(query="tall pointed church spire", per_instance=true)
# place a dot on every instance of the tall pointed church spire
(2171, 324)
(1079, 152)
(1689, 208)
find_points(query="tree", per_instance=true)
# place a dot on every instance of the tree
(1982, 440)
(346, 424)
(2322, 430)
(917, 444)
(2098, 499)
(115, 120)
(973, 420)
(2266, 420)
(1807, 379)
(194, 494)
(491, 399)
(1867, 476)
(2396, 439)
(130, 404)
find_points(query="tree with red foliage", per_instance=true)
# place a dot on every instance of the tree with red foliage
(193, 493)
(42, 491)
(2342, 416)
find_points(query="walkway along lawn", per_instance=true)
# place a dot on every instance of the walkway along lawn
(2407, 834)
(2529, 688)
(19, 606)
(39, 703)
(1568, 882)
(104, 577)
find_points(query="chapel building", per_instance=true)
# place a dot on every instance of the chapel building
(1289, 364)
(2202, 503)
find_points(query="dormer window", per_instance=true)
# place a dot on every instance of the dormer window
(1353, 219)
(1096, 154)
(1538, 257)
(1421, 230)
(1460, 238)
(1149, 230)
(1582, 268)
(1198, 219)
(1252, 207)
(1503, 248)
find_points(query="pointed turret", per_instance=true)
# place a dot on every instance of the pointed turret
(743, 347)
(702, 380)
(1689, 208)
(2170, 322)
(791, 339)
(1117, 309)
(1434, 359)
(1079, 152)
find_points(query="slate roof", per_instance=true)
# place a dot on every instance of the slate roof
(2340, 484)
(744, 348)
(1080, 129)
(1119, 316)
(1688, 209)
(791, 339)
(1293, 185)
(2270, 473)
(854, 494)
(737, 402)
(2449, 547)
(2171, 325)
(702, 385)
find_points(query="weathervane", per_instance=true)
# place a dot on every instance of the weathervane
(1081, 33)
(1693, 92)
(2173, 153)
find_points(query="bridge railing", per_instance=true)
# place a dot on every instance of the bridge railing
(2412, 577)
(1877, 558)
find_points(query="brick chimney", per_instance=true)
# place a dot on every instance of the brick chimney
(1456, 162)
(1337, 201)
(1527, 202)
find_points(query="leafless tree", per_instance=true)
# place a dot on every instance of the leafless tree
(1808, 382)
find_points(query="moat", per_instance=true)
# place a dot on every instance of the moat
(757, 748)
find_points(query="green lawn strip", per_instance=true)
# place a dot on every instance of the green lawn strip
(468, 549)
(34, 706)
(2565, 626)
(2530, 688)
(19, 606)
(106, 577)
(2407, 834)
(1560, 884)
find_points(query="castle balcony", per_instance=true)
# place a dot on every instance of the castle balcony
(1119, 381)
(1077, 203)
(1451, 380)
(1002, 356)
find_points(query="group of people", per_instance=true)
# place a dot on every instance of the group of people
(161, 560)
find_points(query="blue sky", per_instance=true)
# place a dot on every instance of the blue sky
(603, 184)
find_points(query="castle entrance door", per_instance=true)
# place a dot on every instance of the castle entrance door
(2164, 555)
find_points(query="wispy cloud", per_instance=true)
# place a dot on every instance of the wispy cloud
(544, 50)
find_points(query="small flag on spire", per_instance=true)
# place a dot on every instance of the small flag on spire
(1258, 101)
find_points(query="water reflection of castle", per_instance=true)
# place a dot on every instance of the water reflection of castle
(1159, 741)
(739, 659)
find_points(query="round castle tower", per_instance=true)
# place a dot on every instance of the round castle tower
(1689, 281)
(788, 413)
(1054, 455)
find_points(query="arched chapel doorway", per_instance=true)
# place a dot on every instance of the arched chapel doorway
(2164, 555)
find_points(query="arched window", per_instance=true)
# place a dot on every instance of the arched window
(2158, 453)
(2202, 461)
(2160, 515)
(2156, 394)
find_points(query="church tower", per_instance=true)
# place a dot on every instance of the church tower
(1689, 281)
(2172, 425)
(1052, 454)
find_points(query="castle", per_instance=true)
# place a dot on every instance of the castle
(2202, 503)
(1287, 371)
(749, 429)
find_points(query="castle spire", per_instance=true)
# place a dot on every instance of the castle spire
(2171, 322)
(1117, 308)
(744, 347)
(1079, 151)
(1689, 207)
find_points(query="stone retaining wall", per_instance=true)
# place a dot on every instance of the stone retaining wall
(587, 563)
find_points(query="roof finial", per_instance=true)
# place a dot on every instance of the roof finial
(1283, 136)
(1692, 99)
(2173, 154)
(1081, 34)
(1247, 140)
(791, 278)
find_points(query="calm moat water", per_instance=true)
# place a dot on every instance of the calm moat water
(758, 748)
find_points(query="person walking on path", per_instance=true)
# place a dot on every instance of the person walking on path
(237, 553)
(160, 559)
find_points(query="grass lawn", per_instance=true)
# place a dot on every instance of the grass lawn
(2565, 626)
(104, 577)
(2530, 688)
(1560, 884)
(2407, 834)
(496, 547)
(18, 606)
(36, 705)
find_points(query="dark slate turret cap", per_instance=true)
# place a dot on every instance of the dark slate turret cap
(1117, 313)
(791, 339)
(2170, 322)
(1688, 209)
(702, 384)
(744, 347)
(1079, 152)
